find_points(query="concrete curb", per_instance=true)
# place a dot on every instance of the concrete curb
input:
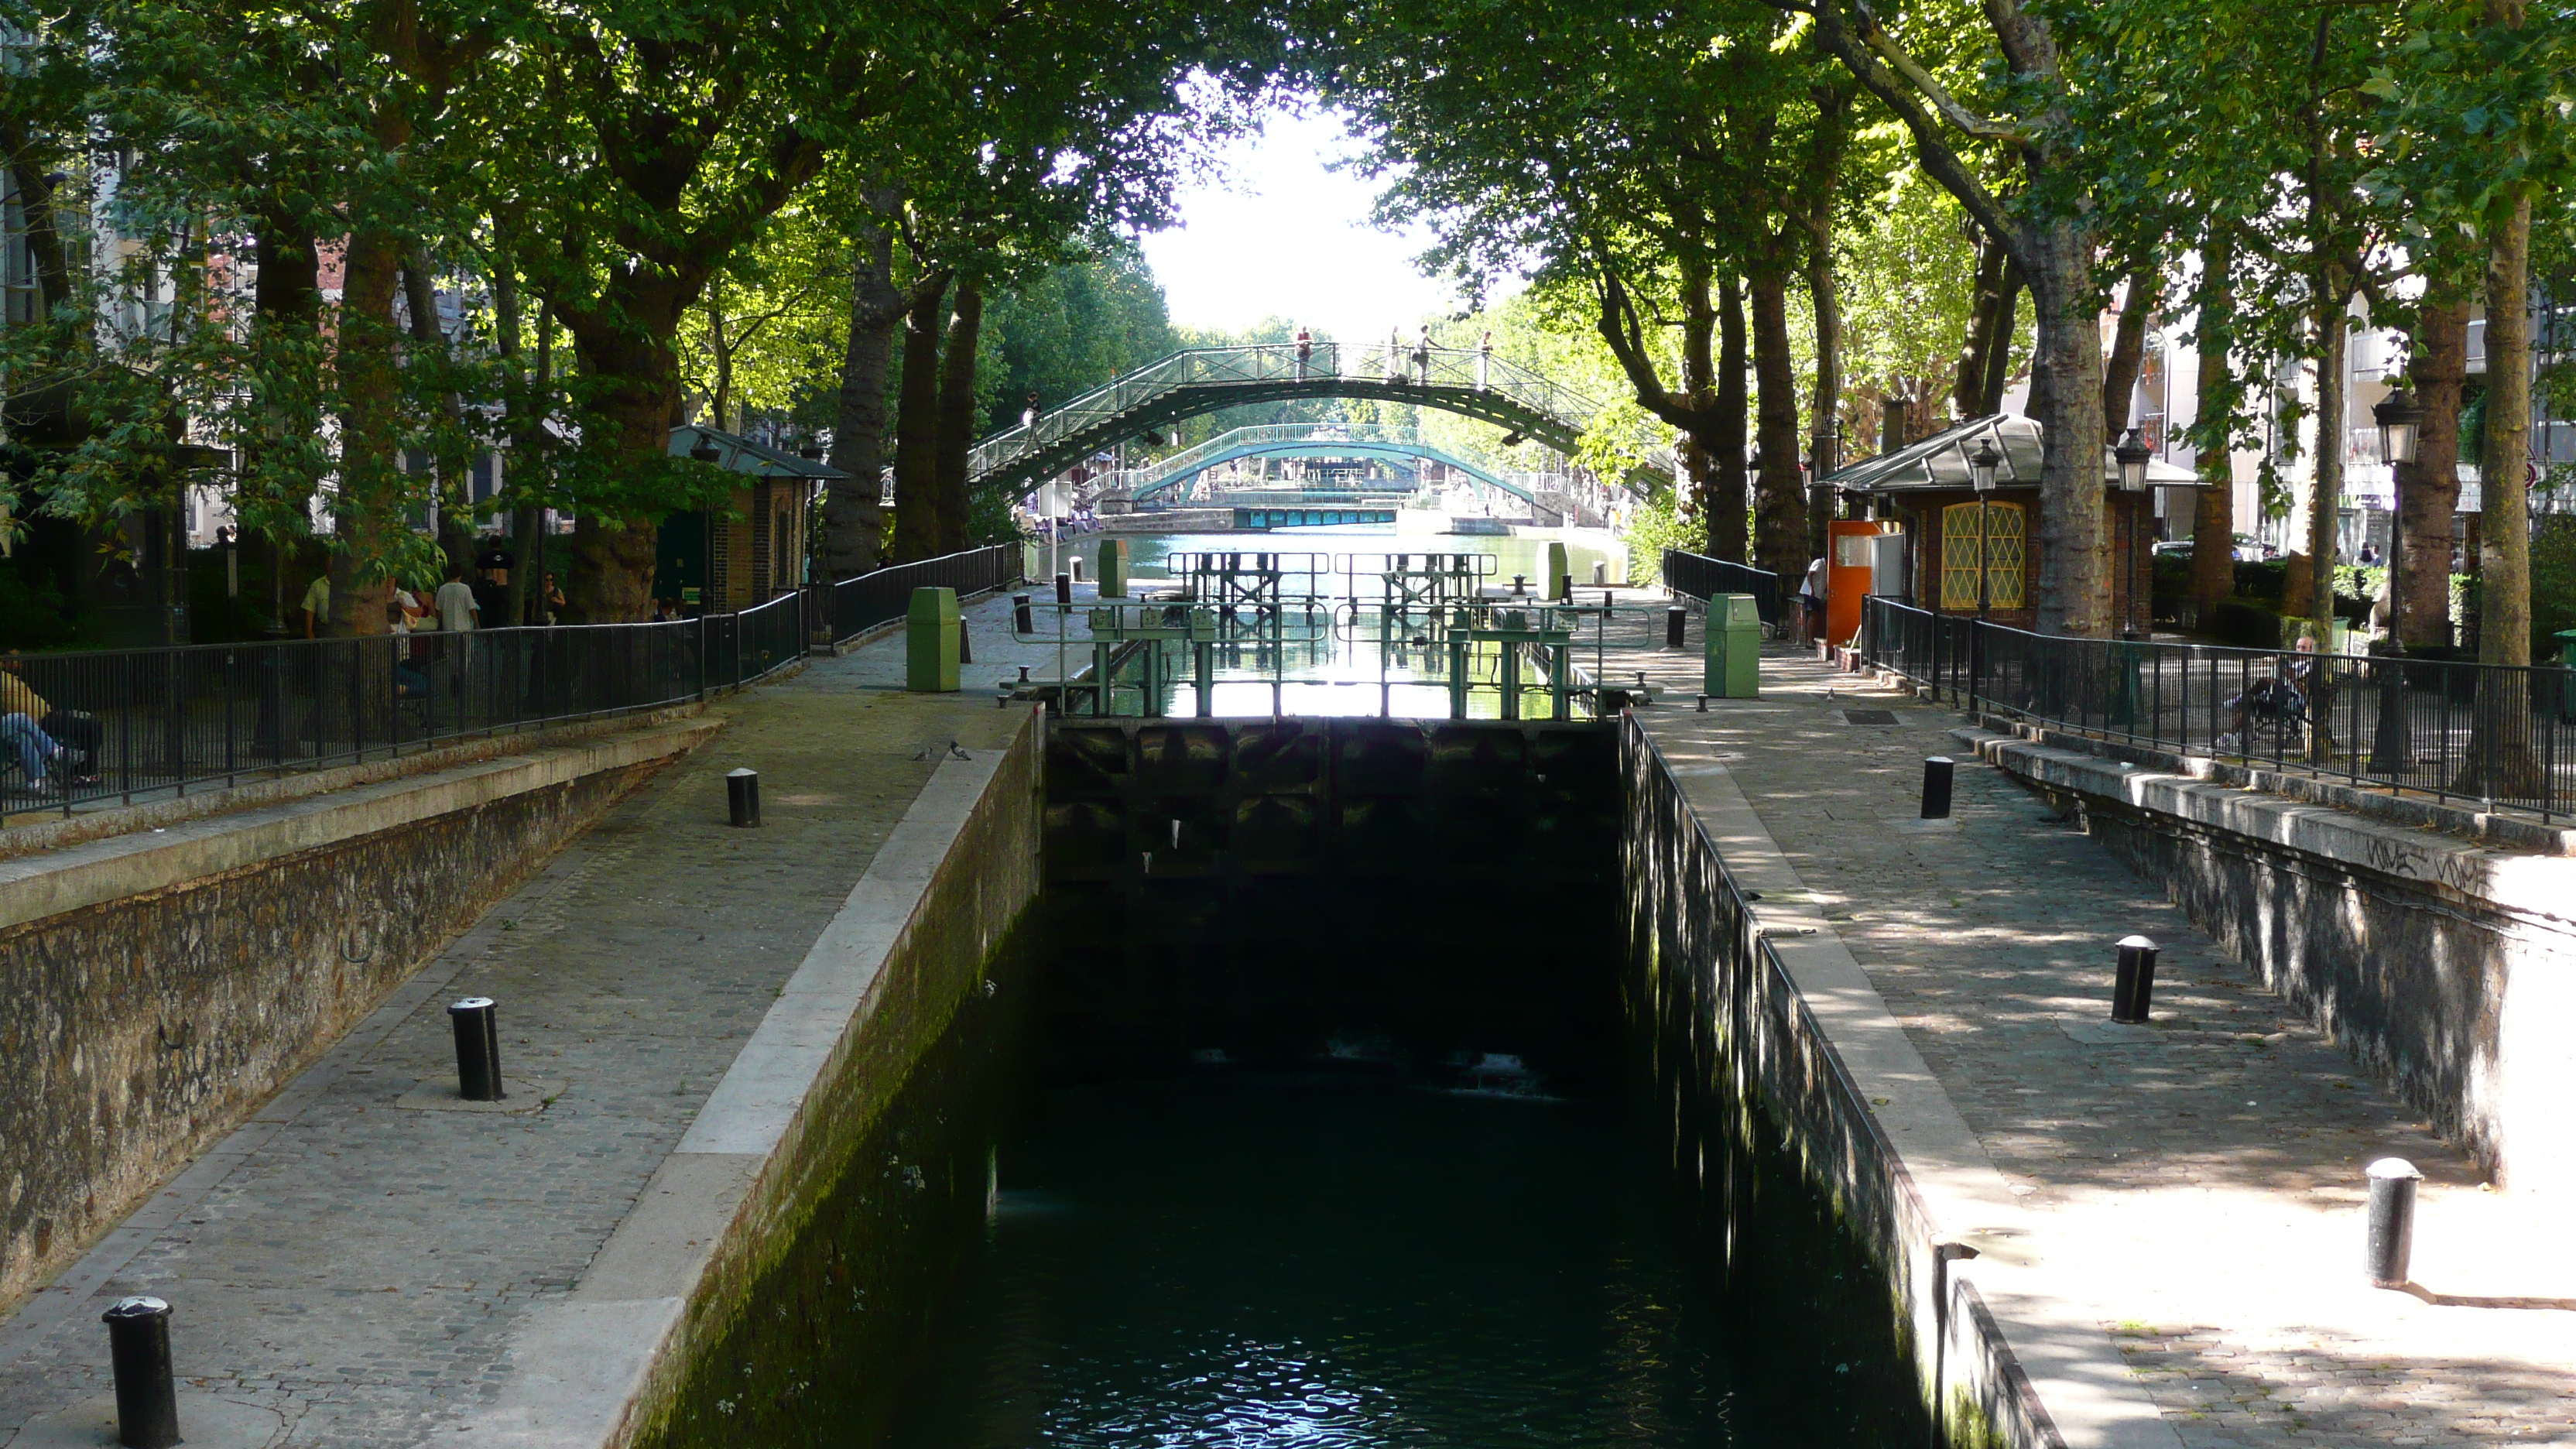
(2539, 887)
(35, 887)
(58, 831)
(591, 1366)
(2045, 1350)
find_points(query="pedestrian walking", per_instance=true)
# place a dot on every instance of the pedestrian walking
(1485, 362)
(1305, 350)
(1395, 354)
(1422, 355)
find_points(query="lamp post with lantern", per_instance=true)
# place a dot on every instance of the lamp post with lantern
(1981, 477)
(2400, 420)
(2132, 455)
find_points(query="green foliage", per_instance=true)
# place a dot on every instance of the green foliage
(1657, 525)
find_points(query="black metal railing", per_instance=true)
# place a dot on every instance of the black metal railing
(2500, 735)
(1703, 578)
(881, 597)
(129, 721)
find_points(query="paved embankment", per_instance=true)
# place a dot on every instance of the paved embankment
(362, 1265)
(2184, 1202)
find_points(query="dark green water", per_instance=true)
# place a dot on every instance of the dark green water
(1213, 1162)
(1330, 1258)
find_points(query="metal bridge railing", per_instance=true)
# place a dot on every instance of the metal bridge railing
(1703, 578)
(1276, 362)
(130, 721)
(2501, 735)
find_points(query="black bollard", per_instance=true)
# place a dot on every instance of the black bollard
(742, 798)
(1936, 787)
(1565, 587)
(1677, 627)
(2392, 1221)
(1064, 588)
(1020, 617)
(2133, 985)
(965, 650)
(1520, 585)
(478, 1049)
(138, 1344)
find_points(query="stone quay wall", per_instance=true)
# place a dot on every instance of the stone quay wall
(2446, 967)
(1735, 1032)
(162, 984)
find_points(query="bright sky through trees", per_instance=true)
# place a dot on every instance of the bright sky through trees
(1275, 231)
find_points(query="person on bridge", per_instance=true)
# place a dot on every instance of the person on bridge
(1485, 361)
(1029, 414)
(1395, 354)
(1305, 350)
(1422, 355)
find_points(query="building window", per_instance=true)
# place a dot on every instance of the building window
(2004, 556)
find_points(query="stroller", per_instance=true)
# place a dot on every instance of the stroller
(2272, 710)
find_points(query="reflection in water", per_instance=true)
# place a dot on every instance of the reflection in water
(1334, 1258)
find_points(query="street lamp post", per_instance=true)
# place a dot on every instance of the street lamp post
(2400, 418)
(1981, 477)
(2132, 455)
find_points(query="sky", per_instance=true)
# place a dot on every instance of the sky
(1274, 232)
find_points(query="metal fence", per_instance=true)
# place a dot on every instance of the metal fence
(130, 721)
(862, 603)
(1703, 578)
(2500, 735)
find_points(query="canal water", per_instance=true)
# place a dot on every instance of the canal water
(1329, 1153)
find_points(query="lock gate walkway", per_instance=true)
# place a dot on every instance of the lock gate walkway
(2189, 1196)
(345, 1271)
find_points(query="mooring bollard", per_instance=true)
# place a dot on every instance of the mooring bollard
(2392, 1221)
(138, 1345)
(1936, 787)
(1021, 620)
(1676, 627)
(742, 798)
(965, 650)
(478, 1049)
(1064, 588)
(1520, 585)
(2133, 985)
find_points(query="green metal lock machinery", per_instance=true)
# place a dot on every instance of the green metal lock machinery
(1734, 660)
(1113, 568)
(930, 642)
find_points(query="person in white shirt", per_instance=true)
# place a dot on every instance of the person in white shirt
(455, 603)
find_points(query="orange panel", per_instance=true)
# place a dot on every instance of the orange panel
(1847, 574)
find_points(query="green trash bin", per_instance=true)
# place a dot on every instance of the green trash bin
(930, 642)
(2567, 681)
(1113, 568)
(1734, 658)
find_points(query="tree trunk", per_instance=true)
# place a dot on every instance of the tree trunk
(957, 412)
(2213, 518)
(2128, 352)
(454, 481)
(1726, 503)
(2325, 485)
(916, 475)
(853, 521)
(2504, 488)
(367, 513)
(1990, 393)
(1780, 500)
(1968, 388)
(2428, 490)
(522, 400)
(2073, 594)
(625, 345)
(1823, 447)
(282, 459)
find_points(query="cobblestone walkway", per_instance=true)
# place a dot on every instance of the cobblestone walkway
(2205, 1183)
(359, 1271)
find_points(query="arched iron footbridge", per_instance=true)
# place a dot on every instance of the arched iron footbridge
(1300, 440)
(1202, 380)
